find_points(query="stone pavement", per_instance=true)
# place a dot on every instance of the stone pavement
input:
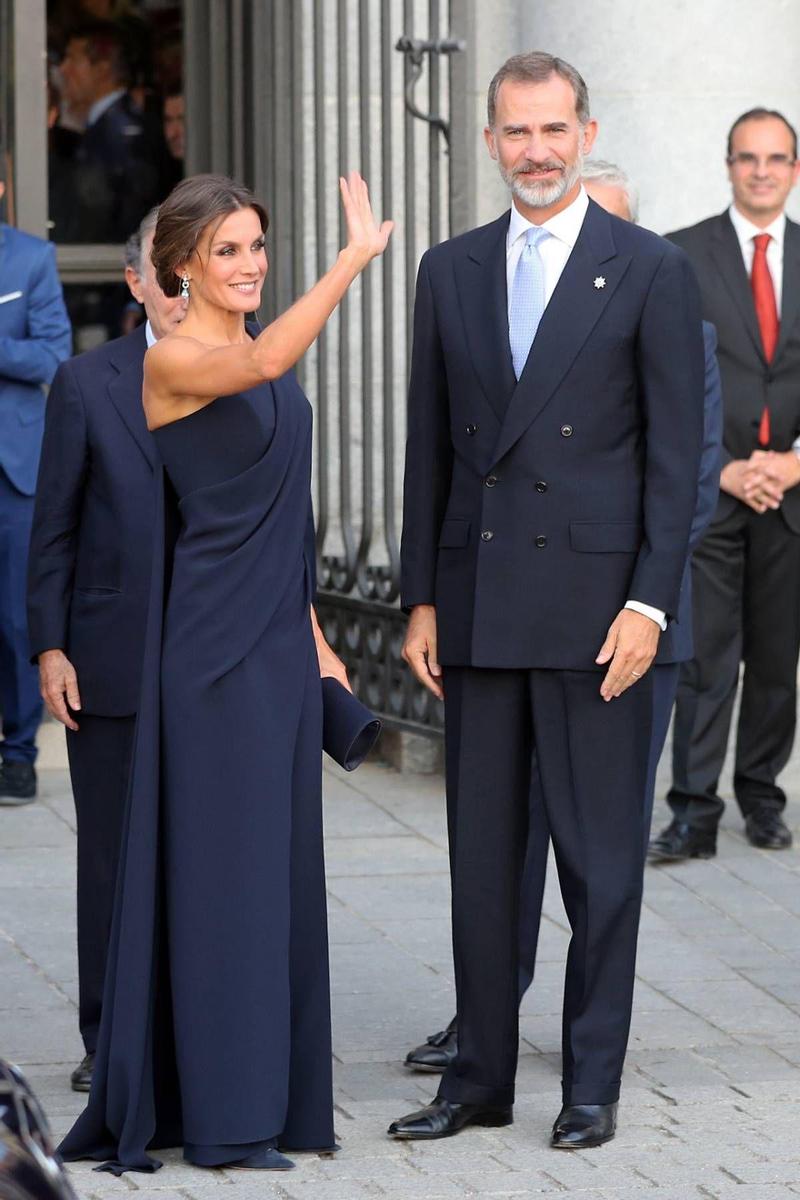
(711, 1103)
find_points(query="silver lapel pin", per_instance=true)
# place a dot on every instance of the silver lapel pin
(599, 282)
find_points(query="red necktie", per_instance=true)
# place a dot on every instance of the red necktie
(767, 313)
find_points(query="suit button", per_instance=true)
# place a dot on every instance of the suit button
(472, 429)
(566, 431)
(541, 541)
(487, 535)
(491, 480)
(541, 486)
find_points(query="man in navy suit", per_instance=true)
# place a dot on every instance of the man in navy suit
(610, 187)
(555, 431)
(35, 336)
(114, 173)
(89, 574)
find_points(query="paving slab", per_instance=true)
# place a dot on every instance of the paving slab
(711, 1100)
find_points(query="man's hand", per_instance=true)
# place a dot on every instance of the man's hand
(419, 648)
(57, 680)
(630, 645)
(782, 469)
(330, 665)
(748, 482)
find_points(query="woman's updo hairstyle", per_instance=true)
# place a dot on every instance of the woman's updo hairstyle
(187, 211)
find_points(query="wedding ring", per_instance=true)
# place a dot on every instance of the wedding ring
(636, 674)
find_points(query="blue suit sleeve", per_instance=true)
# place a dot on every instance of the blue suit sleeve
(670, 360)
(711, 456)
(56, 516)
(35, 358)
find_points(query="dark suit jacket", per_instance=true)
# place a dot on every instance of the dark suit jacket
(35, 336)
(677, 643)
(534, 510)
(115, 176)
(748, 382)
(91, 545)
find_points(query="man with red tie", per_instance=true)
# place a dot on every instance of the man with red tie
(746, 571)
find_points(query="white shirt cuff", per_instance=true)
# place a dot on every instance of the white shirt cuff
(796, 446)
(655, 614)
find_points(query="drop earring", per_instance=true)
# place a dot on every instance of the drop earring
(184, 287)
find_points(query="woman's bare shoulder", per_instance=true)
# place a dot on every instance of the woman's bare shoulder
(170, 349)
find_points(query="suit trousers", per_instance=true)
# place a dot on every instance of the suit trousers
(746, 609)
(665, 684)
(593, 762)
(99, 762)
(20, 702)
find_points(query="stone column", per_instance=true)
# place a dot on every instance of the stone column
(666, 82)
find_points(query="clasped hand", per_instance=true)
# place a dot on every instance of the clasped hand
(761, 480)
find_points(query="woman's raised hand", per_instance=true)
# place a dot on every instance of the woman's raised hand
(364, 236)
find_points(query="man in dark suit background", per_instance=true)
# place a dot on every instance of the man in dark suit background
(114, 174)
(35, 336)
(609, 186)
(746, 571)
(555, 430)
(89, 572)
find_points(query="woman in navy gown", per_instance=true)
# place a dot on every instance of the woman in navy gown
(215, 1032)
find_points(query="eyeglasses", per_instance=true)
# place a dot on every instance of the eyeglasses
(773, 161)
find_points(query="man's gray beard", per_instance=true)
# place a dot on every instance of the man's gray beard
(547, 192)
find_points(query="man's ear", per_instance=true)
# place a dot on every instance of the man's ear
(134, 282)
(589, 135)
(491, 144)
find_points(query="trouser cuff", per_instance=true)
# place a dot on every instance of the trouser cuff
(462, 1091)
(590, 1093)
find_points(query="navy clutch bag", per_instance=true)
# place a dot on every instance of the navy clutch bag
(349, 729)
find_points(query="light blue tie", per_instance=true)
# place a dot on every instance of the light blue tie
(527, 299)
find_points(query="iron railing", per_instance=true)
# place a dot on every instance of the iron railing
(315, 88)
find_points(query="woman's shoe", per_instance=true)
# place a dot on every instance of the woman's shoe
(268, 1159)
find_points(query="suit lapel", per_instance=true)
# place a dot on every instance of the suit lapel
(482, 295)
(727, 255)
(125, 390)
(575, 307)
(790, 295)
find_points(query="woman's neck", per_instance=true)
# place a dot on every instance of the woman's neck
(213, 325)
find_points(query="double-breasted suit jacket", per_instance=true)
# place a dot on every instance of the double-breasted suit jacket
(535, 509)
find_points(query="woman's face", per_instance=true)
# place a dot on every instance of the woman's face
(229, 268)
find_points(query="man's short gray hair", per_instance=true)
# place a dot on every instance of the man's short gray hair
(536, 67)
(133, 246)
(608, 173)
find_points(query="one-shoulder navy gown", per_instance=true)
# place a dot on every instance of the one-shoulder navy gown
(215, 1031)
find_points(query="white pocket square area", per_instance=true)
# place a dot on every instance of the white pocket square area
(10, 296)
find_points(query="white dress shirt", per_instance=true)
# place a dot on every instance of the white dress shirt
(150, 337)
(555, 250)
(746, 231)
(102, 105)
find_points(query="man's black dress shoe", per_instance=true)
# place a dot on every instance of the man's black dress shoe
(766, 829)
(268, 1159)
(438, 1051)
(443, 1118)
(579, 1126)
(17, 782)
(81, 1077)
(681, 840)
